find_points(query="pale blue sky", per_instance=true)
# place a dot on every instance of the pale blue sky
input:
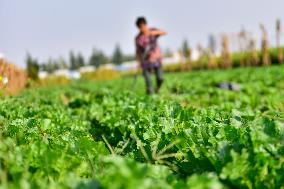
(50, 28)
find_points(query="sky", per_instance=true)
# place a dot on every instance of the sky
(51, 28)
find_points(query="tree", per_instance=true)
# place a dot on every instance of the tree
(185, 49)
(129, 57)
(97, 58)
(80, 60)
(50, 66)
(43, 67)
(212, 43)
(117, 57)
(32, 67)
(73, 61)
(62, 63)
(76, 61)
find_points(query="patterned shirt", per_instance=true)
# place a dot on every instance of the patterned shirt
(148, 51)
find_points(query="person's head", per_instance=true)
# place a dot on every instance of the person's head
(141, 23)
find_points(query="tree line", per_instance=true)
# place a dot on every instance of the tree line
(75, 61)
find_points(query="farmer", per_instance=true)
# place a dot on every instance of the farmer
(148, 53)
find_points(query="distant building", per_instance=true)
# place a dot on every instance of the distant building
(61, 72)
(127, 66)
(87, 69)
(174, 59)
(74, 75)
(67, 73)
(195, 55)
(43, 74)
(109, 66)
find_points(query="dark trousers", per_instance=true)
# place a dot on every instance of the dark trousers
(159, 79)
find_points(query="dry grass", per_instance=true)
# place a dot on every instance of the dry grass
(51, 80)
(101, 74)
(12, 78)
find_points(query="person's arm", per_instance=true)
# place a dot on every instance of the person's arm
(158, 32)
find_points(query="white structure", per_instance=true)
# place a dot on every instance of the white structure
(127, 66)
(74, 75)
(108, 66)
(42, 74)
(61, 72)
(87, 69)
(174, 59)
(195, 55)
(67, 73)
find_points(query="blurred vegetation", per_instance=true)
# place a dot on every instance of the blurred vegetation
(194, 135)
(236, 57)
(117, 57)
(75, 61)
(101, 74)
(48, 81)
(32, 67)
(98, 58)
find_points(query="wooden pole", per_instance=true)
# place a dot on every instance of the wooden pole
(254, 59)
(278, 46)
(264, 46)
(226, 61)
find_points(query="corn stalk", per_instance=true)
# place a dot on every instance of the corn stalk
(264, 46)
(278, 46)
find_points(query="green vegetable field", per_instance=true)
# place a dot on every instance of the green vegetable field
(109, 134)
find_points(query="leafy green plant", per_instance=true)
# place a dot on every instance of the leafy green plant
(103, 135)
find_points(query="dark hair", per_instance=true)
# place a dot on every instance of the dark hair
(140, 20)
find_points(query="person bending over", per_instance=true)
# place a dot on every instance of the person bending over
(148, 53)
